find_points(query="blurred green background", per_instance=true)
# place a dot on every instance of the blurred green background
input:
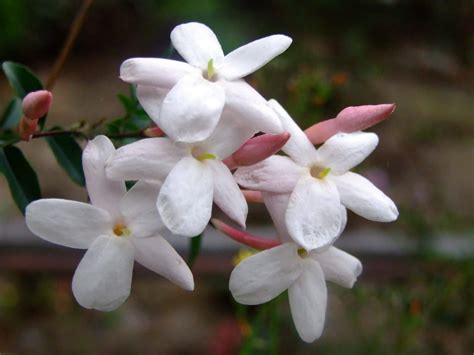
(416, 294)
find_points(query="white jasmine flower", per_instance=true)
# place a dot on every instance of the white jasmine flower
(319, 184)
(117, 228)
(263, 276)
(186, 100)
(194, 176)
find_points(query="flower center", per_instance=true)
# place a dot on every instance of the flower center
(319, 172)
(210, 73)
(302, 253)
(121, 230)
(201, 155)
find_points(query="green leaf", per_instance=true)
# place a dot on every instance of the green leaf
(21, 79)
(68, 153)
(194, 249)
(12, 115)
(20, 176)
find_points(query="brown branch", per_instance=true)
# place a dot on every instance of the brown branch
(68, 44)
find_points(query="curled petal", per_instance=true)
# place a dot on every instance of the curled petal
(362, 197)
(250, 107)
(151, 98)
(276, 174)
(351, 119)
(149, 158)
(252, 56)
(103, 192)
(69, 223)
(308, 299)
(338, 266)
(196, 43)
(313, 217)
(185, 199)
(103, 278)
(156, 254)
(344, 151)
(299, 148)
(163, 73)
(227, 194)
(191, 110)
(138, 208)
(263, 276)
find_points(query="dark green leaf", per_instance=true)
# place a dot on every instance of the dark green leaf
(21, 79)
(12, 115)
(69, 155)
(20, 176)
(194, 249)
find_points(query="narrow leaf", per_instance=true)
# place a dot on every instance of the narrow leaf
(194, 249)
(12, 115)
(20, 176)
(68, 153)
(21, 79)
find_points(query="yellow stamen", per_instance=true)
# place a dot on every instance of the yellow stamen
(205, 156)
(210, 69)
(324, 173)
(303, 253)
(242, 255)
(121, 230)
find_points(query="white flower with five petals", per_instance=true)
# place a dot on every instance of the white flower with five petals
(193, 176)
(117, 228)
(318, 184)
(186, 100)
(263, 276)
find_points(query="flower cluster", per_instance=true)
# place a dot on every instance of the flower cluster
(210, 116)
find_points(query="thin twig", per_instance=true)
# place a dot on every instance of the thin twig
(68, 44)
(57, 133)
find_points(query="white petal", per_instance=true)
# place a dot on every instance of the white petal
(338, 266)
(139, 210)
(150, 158)
(344, 151)
(252, 56)
(250, 107)
(262, 277)
(69, 223)
(103, 278)
(103, 192)
(196, 43)
(299, 148)
(192, 109)
(276, 205)
(313, 217)
(156, 254)
(361, 196)
(308, 299)
(163, 73)
(151, 98)
(228, 136)
(227, 194)
(275, 174)
(185, 199)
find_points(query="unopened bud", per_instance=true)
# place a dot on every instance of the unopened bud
(257, 149)
(244, 237)
(351, 119)
(36, 104)
(153, 132)
(253, 196)
(26, 128)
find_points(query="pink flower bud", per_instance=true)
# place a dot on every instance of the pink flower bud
(253, 196)
(26, 128)
(351, 119)
(36, 104)
(153, 132)
(244, 237)
(257, 149)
